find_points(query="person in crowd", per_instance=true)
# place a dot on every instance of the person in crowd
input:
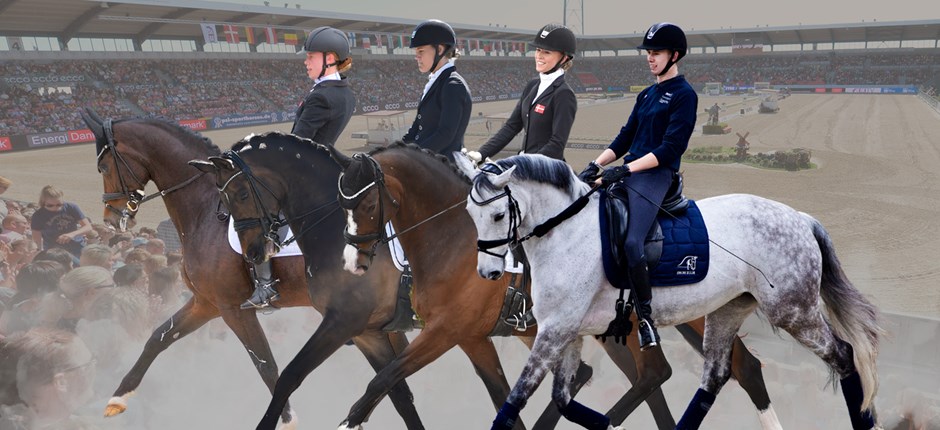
(154, 263)
(146, 232)
(59, 255)
(97, 255)
(20, 254)
(77, 291)
(136, 256)
(58, 223)
(52, 373)
(155, 247)
(445, 106)
(653, 140)
(131, 276)
(166, 232)
(15, 227)
(105, 233)
(33, 282)
(4, 185)
(547, 107)
(322, 116)
(166, 289)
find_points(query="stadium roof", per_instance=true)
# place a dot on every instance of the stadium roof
(178, 19)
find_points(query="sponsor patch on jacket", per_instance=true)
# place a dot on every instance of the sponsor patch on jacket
(539, 108)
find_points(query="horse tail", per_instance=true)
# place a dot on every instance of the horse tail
(852, 316)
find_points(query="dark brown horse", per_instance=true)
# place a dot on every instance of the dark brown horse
(264, 176)
(416, 190)
(132, 153)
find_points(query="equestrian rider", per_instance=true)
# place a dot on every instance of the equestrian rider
(547, 107)
(321, 116)
(654, 138)
(444, 110)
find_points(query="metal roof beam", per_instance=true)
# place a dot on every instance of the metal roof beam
(78, 23)
(4, 4)
(152, 28)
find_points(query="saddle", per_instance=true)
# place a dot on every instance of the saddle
(405, 318)
(516, 312)
(679, 233)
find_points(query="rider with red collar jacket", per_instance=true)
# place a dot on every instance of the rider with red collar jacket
(445, 107)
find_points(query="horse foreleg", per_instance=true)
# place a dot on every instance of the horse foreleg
(745, 368)
(427, 347)
(482, 354)
(562, 397)
(245, 325)
(380, 349)
(721, 327)
(651, 371)
(191, 316)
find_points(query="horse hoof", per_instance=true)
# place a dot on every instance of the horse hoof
(116, 406)
(345, 426)
(290, 425)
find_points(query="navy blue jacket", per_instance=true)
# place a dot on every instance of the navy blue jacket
(324, 113)
(661, 122)
(443, 115)
(546, 122)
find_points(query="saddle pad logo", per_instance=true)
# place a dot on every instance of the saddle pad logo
(687, 265)
(539, 108)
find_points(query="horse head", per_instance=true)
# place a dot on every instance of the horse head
(124, 175)
(495, 213)
(252, 197)
(369, 205)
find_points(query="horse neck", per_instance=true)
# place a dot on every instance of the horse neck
(427, 188)
(551, 202)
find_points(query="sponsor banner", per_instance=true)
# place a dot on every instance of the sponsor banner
(80, 136)
(194, 124)
(899, 90)
(292, 115)
(489, 98)
(819, 90)
(47, 139)
(867, 90)
(838, 90)
(503, 96)
(411, 105)
(5, 144)
(390, 106)
(515, 95)
(244, 120)
(636, 88)
(616, 89)
(594, 89)
(44, 79)
(476, 98)
(370, 108)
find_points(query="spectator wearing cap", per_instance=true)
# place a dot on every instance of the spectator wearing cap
(59, 224)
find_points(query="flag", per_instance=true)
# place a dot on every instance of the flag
(474, 45)
(378, 40)
(270, 36)
(290, 39)
(487, 47)
(250, 35)
(352, 39)
(209, 34)
(366, 42)
(231, 33)
(401, 41)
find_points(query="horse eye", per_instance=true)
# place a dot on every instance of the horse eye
(243, 195)
(499, 217)
(103, 168)
(371, 207)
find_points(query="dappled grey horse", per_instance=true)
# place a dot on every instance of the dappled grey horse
(763, 255)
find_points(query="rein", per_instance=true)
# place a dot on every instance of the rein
(512, 236)
(269, 224)
(134, 198)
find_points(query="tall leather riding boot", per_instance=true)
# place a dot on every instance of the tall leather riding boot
(640, 278)
(264, 293)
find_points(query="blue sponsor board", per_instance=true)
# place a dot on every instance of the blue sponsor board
(245, 120)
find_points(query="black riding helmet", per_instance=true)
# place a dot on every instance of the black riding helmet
(665, 35)
(434, 32)
(556, 37)
(327, 39)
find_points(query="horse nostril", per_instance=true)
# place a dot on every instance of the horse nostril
(363, 267)
(494, 275)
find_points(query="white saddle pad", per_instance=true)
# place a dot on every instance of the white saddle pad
(287, 251)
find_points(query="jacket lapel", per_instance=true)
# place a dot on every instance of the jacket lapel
(437, 85)
(550, 89)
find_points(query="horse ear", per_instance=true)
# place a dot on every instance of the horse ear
(93, 122)
(464, 164)
(204, 166)
(503, 178)
(339, 157)
(222, 163)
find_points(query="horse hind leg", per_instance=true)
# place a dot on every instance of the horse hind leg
(721, 327)
(817, 336)
(194, 314)
(647, 371)
(565, 371)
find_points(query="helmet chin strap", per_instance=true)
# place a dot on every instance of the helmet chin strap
(669, 63)
(437, 58)
(325, 66)
(558, 64)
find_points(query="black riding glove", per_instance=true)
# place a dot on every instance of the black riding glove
(590, 173)
(615, 174)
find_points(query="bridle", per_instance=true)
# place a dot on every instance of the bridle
(513, 239)
(270, 221)
(381, 236)
(136, 197)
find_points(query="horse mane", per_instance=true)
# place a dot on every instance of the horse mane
(172, 126)
(535, 168)
(424, 152)
(261, 141)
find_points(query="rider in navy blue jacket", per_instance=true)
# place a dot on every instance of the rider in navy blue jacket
(444, 110)
(653, 141)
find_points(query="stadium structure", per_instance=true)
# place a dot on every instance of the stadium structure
(216, 65)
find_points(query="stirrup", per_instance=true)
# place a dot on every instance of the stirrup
(262, 297)
(649, 338)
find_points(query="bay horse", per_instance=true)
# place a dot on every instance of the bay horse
(266, 175)
(133, 152)
(419, 192)
(763, 255)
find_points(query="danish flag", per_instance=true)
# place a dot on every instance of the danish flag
(539, 108)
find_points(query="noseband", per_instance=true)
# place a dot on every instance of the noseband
(134, 198)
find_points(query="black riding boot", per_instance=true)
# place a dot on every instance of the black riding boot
(640, 278)
(264, 293)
